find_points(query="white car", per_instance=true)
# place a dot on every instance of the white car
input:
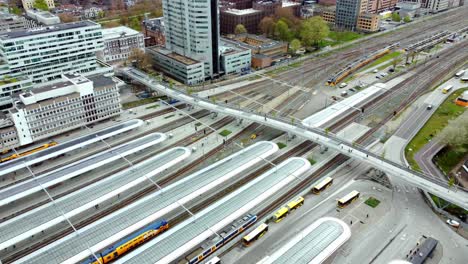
(343, 85)
(453, 223)
(375, 71)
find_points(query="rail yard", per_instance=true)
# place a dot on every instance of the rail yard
(184, 183)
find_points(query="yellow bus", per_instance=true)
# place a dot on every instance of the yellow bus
(255, 234)
(447, 89)
(349, 198)
(324, 184)
(280, 214)
(296, 203)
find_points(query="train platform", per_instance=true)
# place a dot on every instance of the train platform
(115, 226)
(186, 236)
(341, 108)
(62, 148)
(18, 231)
(23, 189)
(312, 245)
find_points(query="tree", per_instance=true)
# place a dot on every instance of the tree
(41, 5)
(407, 19)
(142, 60)
(282, 31)
(240, 29)
(15, 10)
(313, 30)
(396, 17)
(295, 45)
(395, 61)
(455, 134)
(67, 18)
(267, 26)
(134, 23)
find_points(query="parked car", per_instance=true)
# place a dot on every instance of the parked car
(352, 90)
(453, 223)
(343, 85)
(375, 71)
(344, 93)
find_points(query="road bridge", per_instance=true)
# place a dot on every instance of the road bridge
(453, 194)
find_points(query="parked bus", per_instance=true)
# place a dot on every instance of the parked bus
(280, 214)
(459, 74)
(324, 184)
(349, 198)
(255, 234)
(296, 203)
(447, 89)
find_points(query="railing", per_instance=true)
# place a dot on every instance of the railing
(294, 125)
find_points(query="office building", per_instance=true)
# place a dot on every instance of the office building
(181, 68)
(347, 13)
(192, 30)
(119, 42)
(44, 18)
(436, 6)
(153, 29)
(234, 58)
(29, 4)
(378, 6)
(10, 22)
(56, 108)
(8, 135)
(63, 48)
(231, 17)
(366, 22)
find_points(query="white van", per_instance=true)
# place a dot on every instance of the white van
(344, 93)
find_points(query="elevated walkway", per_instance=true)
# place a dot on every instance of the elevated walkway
(454, 194)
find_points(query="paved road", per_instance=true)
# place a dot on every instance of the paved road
(424, 158)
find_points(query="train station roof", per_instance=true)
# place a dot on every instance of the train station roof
(314, 244)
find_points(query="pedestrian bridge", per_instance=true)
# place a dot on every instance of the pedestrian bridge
(453, 194)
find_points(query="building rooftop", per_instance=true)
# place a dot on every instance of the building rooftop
(259, 41)
(241, 12)
(314, 244)
(101, 81)
(49, 29)
(117, 32)
(178, 57)
(228, 46)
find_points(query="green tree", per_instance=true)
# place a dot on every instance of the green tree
(267, 26)
(134, 23)
(313, 30)
(295, 45)
(407, 19)
(282, 31)
(395, 61)
(240, 29)
(41, 5)
(396, 17)
(15, 10)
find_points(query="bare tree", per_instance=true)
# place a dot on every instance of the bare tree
(455, 134)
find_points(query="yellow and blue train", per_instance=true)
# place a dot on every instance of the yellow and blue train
(125, 245)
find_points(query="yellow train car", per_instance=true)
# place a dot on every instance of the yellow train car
(120, 248)
(296, 203)
(280, 214)
(29, 152)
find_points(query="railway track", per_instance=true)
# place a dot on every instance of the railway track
(164, 182)
(409, 83)
(163, 129)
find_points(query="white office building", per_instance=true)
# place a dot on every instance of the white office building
(234, 58)
(45, 53)
(119, 42)
(44, 18)
(56, 108)
(192, 30)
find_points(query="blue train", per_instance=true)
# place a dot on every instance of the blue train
(123, 246)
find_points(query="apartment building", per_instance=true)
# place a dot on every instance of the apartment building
(56, 108)
(347, 13)
(119, 42)
(45, 53)
(29, 4)
(192, 30)
(8, 136)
